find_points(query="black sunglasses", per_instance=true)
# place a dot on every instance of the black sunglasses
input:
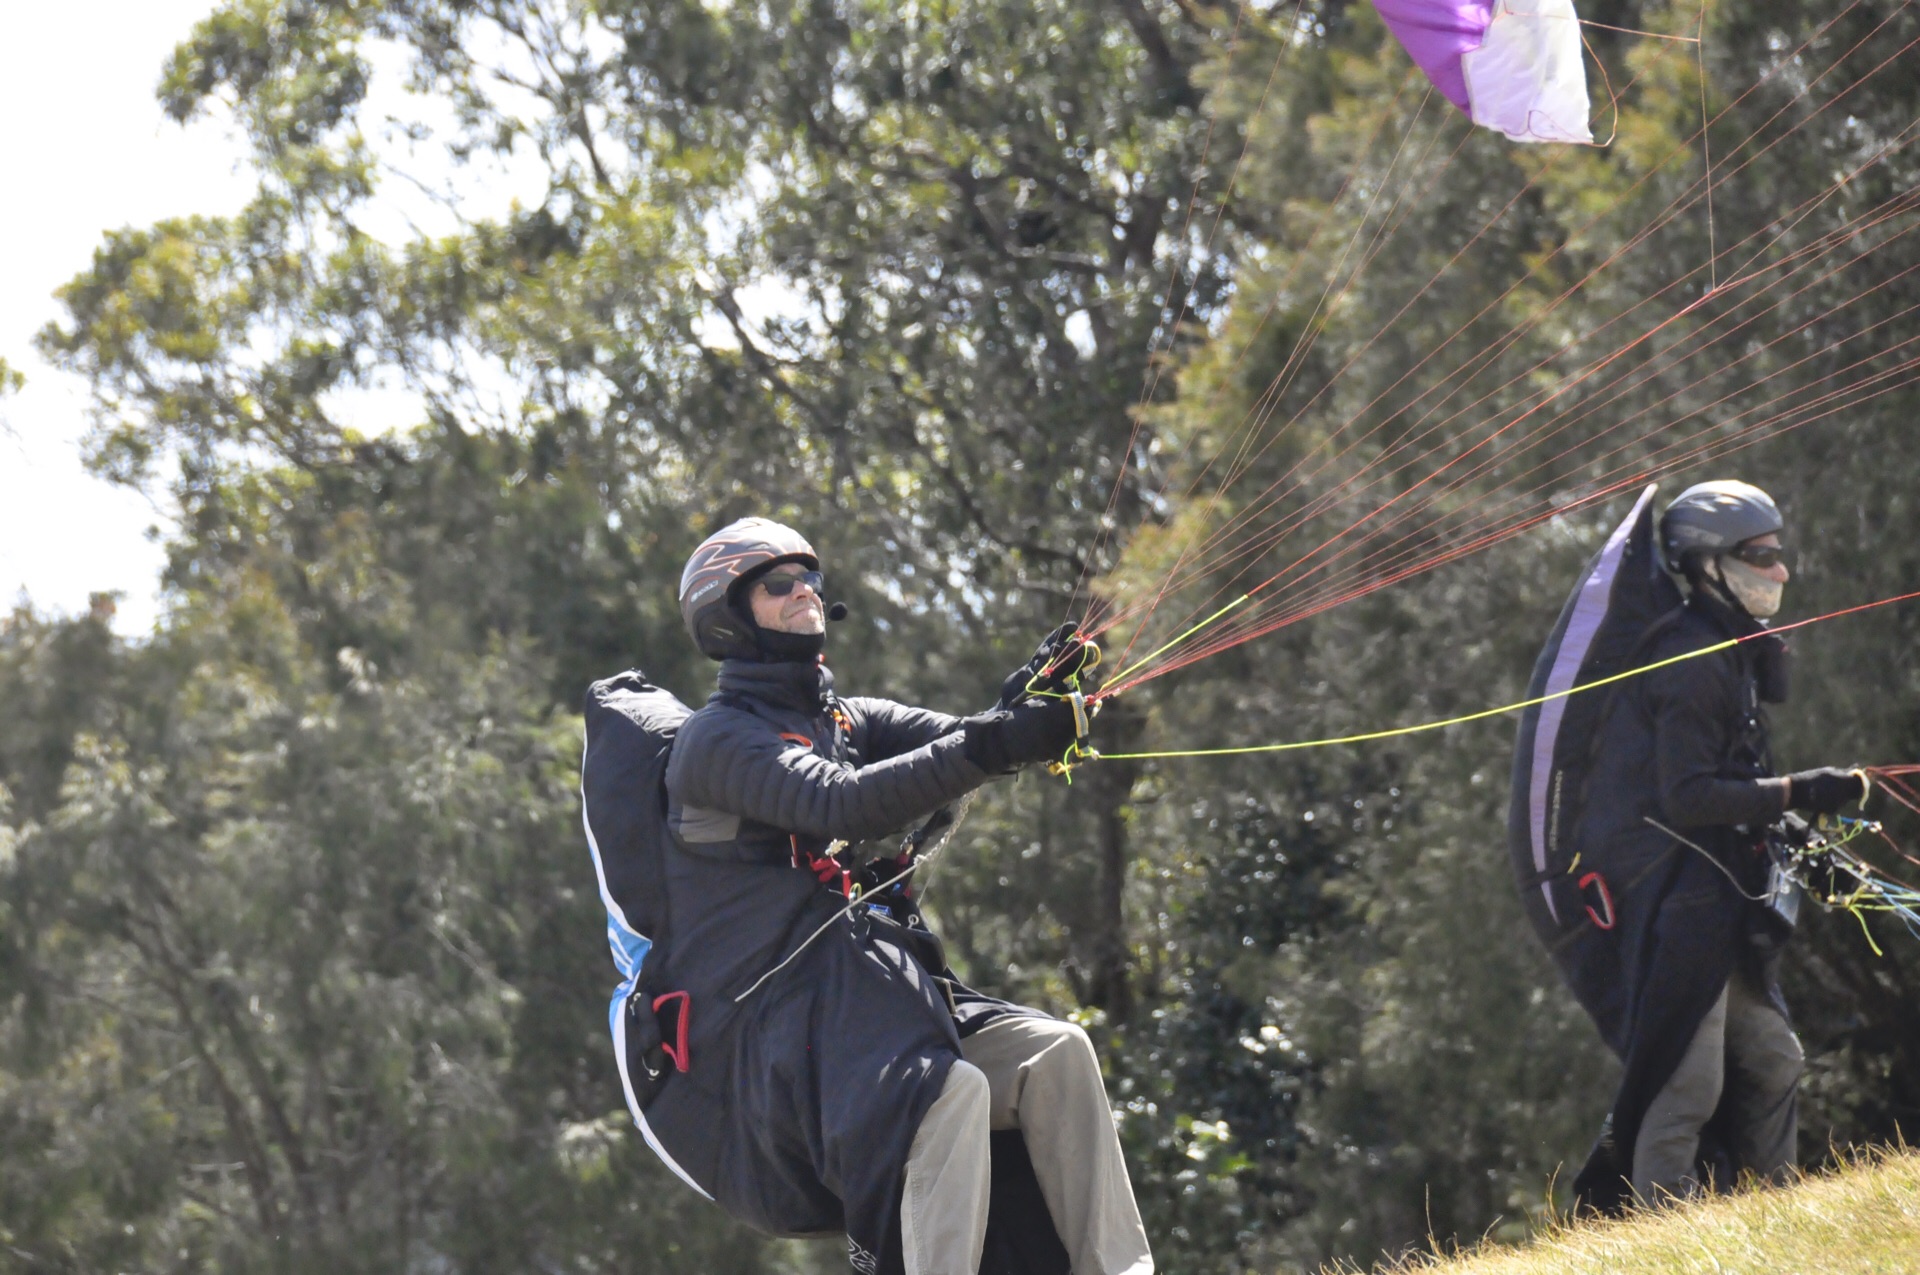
(781, 585)
(1765, 557)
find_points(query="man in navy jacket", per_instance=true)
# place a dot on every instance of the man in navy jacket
(838, 1078)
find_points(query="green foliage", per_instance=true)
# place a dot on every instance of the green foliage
(291, 986)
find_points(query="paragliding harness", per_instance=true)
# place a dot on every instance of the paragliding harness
(880, 888)
(630, 726)
(1622, 606)
(875, 884)
(1596, 894)
(1746, 754)
(1614, 621)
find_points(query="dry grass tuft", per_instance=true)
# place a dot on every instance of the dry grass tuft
(1863, 1217)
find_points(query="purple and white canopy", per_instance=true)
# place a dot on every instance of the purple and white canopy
(1515, 70)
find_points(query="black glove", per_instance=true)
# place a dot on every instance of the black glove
(1824, 791)
(1058, 658)
(1006, 739)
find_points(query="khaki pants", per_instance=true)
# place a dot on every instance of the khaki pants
(1040, 1076)
(1745, 1049)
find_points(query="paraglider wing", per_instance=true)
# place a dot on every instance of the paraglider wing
(1622, 592)
(1516, 71)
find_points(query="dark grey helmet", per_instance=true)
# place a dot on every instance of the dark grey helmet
(1711, 518)
(710, 585)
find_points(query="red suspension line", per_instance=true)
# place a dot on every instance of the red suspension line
(1679, 205)
(1409, 563)
(1253, 627)
(1640, 472)
(1646, 375)
(1297, 354)
(1806, 207)
(1910, 375)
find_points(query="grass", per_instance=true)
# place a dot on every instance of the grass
(1862, 1217)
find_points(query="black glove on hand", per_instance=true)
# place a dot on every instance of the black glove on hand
(1055, 663)
(1824, 791)
(1006, 739)
(1061, 655)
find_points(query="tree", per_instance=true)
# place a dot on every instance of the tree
(327, 826)
(293, 892)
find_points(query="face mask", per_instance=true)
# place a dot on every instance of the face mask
(1751, 588)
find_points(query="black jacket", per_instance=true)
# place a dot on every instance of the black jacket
(811, 1063)
(1685, 747)
(773, 770)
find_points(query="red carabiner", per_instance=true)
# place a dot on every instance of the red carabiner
(1606, 901)
(676, 1049)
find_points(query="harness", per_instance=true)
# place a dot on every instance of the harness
(1748, 755)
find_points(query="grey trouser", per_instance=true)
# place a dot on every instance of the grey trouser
(1745, 1049)
(1040, 1076)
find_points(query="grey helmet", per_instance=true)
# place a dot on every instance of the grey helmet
(1711, 518)
(726, 561)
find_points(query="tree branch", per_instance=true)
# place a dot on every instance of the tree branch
(1171, 73)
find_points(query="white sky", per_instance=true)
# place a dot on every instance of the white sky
(85, 149)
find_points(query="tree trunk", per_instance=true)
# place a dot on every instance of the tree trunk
(1110, 787)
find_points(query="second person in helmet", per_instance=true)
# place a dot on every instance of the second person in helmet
(1681, 793)
(841, 1078)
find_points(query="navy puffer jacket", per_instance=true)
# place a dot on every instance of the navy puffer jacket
(774, 769)
(776, 752)
(802, 1099)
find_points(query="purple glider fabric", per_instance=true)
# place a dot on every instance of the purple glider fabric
(1519, 71)
(1436, 35)
(1596, 593)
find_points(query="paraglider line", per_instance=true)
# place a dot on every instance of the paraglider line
(1173, 642)
(1706, 146)
(1242, 462)
(1280, 292)
(1422, 727)
(1742, 279)
(1260, 628)
(1270, 398)
(1651, 35)
(1397, 732)
(1386, 556)
(1268, 497)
